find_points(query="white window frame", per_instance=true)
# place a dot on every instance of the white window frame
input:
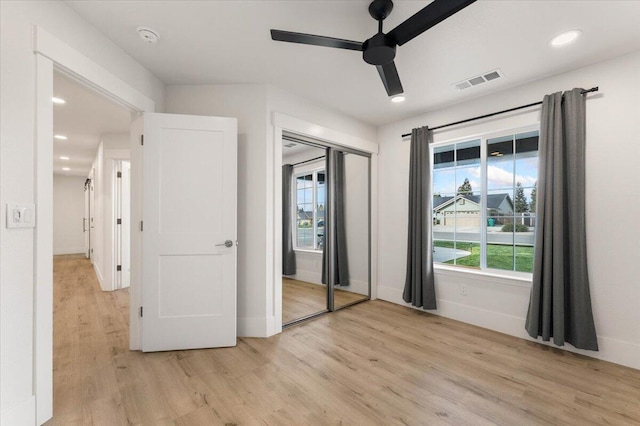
(483, 137)
(312, 168)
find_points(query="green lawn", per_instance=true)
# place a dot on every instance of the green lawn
(498, 256)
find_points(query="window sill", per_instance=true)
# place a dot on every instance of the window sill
(307, 251)
(519, 279)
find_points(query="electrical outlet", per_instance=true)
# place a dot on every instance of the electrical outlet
(464, 290)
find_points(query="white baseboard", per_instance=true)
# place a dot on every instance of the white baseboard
(68, 250)
(24, 414)
(612, 350)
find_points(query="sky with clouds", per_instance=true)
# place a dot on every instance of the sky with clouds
(502, 174)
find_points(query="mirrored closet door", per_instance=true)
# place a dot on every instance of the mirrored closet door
(349, 226)
(304, 201)
(326, 228)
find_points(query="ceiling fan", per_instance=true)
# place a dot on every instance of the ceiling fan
(380, 50)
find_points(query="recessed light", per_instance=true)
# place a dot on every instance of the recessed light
(565, 38)
(66, 169)
(60, 137)
(62, 157)
(58, 101)
(397, 98)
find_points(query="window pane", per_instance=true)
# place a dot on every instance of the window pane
(500, 202)
(444, 181)
(500, 256)
(524, 258)
(524, 239)
(304, 181)
(500, 167)
(321, 191)
(443, 157)
(308, 195)
(500, 230)
(468, 168)
(304, 234)
(467, 233)
(526, 170)
(468, 181)
(467, 254)
(468, 153)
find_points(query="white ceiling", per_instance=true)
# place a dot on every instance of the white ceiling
(210, 42)
(83, 119)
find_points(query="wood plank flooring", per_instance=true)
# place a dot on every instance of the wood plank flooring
(375, 363)
(300, 299)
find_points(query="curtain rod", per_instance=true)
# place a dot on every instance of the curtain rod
(593, 89)
(307, 161)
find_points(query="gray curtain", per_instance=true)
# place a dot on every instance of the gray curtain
(336, 223)
(419, 289)
(288, 256)
(560, 304)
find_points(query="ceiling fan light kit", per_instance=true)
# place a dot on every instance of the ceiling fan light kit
(380, 50)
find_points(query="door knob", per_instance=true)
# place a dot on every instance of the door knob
(227, 244)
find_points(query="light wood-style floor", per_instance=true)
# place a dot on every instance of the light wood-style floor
(372, 364)
(300, 299)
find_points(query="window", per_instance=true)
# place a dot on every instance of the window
(310, 206)
(484, 203)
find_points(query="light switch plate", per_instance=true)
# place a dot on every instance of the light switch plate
(21, 215)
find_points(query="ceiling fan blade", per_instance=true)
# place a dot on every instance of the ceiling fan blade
(390, 78)
(434, 13)
(315, 40)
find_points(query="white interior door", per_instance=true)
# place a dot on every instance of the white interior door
(189, 183)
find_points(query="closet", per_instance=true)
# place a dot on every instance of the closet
(326, 205)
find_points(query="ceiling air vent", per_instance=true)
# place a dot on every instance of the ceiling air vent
(478, 79)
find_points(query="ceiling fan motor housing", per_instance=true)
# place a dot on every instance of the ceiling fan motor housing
(379, 50)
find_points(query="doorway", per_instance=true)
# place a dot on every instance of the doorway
(52, 54)
(326, 204)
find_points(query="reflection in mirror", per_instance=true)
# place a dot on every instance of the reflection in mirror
(303, 209)
(352, 229)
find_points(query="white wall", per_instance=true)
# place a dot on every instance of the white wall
(17, 172)
(613, 152)
(68, 214)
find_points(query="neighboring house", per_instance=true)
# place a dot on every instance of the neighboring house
(305, 218)
(464, 210)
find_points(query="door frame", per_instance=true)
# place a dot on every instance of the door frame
(53, 54)
(121, 238)
(87, 218)
(282, 122)
(118, 237)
